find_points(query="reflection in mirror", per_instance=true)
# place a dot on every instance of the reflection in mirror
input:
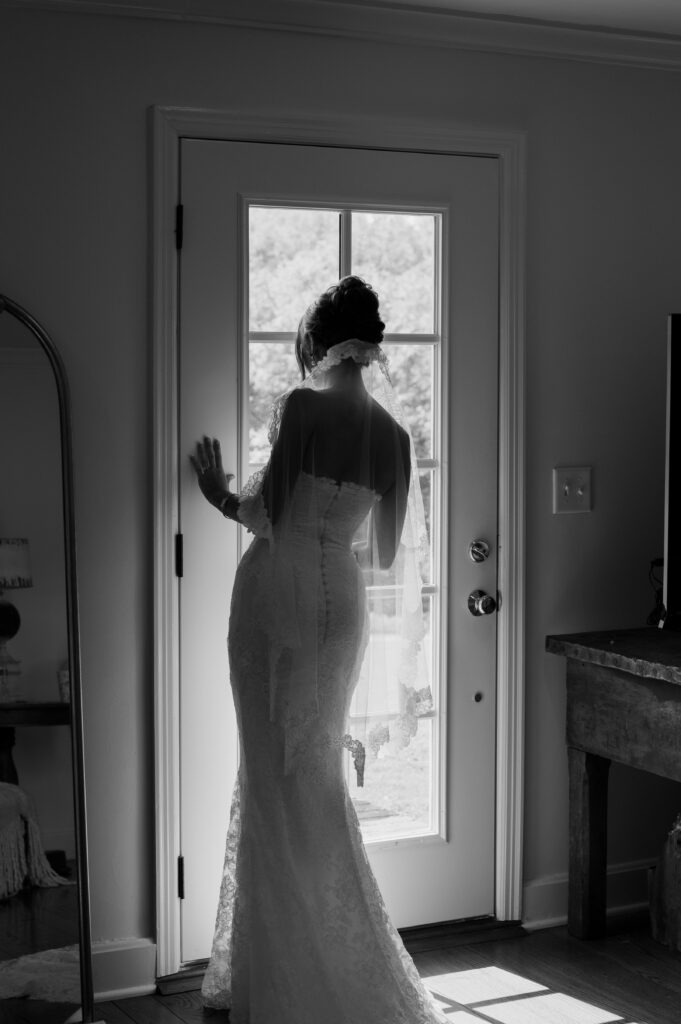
(39, 925)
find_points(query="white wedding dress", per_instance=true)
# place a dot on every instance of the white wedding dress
(302, 934)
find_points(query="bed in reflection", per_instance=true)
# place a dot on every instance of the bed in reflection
(22, 858)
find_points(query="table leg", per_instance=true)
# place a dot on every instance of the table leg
(8, 771)
(588, 843)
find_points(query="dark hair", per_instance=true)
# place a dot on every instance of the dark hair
(348, 309)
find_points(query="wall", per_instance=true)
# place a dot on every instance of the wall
(603, 222)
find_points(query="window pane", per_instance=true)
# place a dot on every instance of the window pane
(411, 371)
(383, 657)
(293, 257)
(395, 253)
(399, 792)
(272, 369)
(379, 692)
(381, 660)
(396, 799)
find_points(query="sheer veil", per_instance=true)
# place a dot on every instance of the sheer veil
(391, 684)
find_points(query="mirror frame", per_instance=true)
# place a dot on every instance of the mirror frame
(72, 623)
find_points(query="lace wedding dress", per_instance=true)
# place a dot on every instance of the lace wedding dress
(302, 934)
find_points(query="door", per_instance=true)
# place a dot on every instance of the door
(251, 214)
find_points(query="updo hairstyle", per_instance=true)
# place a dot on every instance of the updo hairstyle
(346, 310)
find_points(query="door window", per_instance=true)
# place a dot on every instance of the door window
(293, 254)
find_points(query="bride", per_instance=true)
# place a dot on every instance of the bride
(302, 935)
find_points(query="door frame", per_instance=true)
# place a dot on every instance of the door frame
(168, 126)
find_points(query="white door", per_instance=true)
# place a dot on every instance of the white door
(252, 214)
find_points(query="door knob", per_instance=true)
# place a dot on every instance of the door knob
(478, 550)
(480, 603)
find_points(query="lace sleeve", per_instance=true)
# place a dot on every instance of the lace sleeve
(252, 510)
(266, 495)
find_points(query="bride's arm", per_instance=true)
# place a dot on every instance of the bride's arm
(286, 458)
(213, 481)
(280, 474)
(390, 511)
(229, 506)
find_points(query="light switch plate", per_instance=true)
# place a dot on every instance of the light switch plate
(572, 489)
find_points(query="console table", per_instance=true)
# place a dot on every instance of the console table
(23, 713)
(623, 704)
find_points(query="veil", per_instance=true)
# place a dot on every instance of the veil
(390, 670)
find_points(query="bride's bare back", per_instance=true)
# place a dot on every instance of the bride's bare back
(344, 435)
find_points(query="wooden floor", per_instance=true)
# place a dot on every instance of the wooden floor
(626, 978)
(628, 975)
(37, 919)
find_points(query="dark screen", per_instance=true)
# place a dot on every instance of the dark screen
(672, 540)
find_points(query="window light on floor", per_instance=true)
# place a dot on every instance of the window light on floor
(494, 995)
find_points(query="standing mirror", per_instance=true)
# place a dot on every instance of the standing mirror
(45, 954)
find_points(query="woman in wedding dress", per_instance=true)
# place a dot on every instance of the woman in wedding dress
(302, 935)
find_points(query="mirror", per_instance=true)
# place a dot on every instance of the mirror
(44, 905)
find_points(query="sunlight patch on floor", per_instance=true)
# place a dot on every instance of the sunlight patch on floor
(492, 994)
(462, 1017)
(482, 983)
(554, 1008)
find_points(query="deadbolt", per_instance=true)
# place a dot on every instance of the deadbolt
(480, 603)
(478, 551)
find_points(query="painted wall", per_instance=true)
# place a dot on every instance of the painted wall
(603, 220)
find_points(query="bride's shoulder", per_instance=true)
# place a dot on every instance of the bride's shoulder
(296, 400)
(306, 399)
(384, 419)
(300, 409)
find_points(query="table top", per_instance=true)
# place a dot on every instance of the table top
(648, 652)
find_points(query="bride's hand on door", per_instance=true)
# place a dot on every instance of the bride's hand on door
(207, 463)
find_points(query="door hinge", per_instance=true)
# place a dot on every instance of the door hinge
(180, 877)
(179, 555)
(179, 225)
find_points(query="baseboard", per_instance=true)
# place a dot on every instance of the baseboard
(188, 980)
(545, 900)
(127, 967)
(123, 968)
(423, 938)
(446, 934)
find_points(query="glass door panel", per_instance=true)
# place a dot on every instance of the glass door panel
(292, 258)
(291, 251)
(272, 368)
(396, 252)
(412, 374)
